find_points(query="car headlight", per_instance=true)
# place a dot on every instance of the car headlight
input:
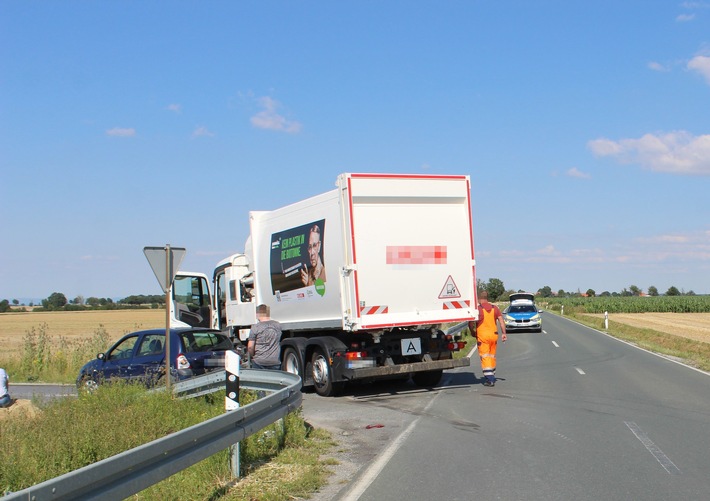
(535, 317)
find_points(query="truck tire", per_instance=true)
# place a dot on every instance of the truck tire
(291, 362)
(323, 375)
(427, 379)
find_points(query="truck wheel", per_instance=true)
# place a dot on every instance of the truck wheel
(292, 362)
(426, 379)
(323, 375)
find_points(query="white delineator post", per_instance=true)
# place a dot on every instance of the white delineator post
(606, 320)
(231, 400)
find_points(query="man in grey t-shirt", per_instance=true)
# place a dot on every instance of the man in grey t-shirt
(264, 343)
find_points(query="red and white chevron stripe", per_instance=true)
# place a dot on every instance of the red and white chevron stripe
(456, 305)
(373, 310)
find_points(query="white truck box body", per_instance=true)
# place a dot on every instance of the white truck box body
(397, 249)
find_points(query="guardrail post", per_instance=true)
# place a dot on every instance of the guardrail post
(231, 401)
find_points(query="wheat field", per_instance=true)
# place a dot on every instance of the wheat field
(71, 325)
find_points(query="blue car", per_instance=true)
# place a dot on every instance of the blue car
(522, 314)
(140, 357)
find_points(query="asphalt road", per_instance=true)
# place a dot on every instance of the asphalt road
(575, 415)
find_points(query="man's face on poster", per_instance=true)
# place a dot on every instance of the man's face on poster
(313, 247)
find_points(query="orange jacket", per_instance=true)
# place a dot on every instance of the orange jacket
(486, 326)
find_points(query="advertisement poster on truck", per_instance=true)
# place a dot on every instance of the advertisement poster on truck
(297, 262)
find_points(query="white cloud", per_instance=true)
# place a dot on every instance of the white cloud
(701, 64)
(682, 18)
(548, 250)
(575, 172)
(656, 66)
(695, 5)
(202, 131)
(121, 132)
(677, 152)
(269, 119)
(175, 108)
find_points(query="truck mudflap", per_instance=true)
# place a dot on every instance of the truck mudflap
(389, 370)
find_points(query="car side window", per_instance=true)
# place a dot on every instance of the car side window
(124, 349)
(151, 345)
(205, 341)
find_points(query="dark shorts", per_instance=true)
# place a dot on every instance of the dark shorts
(276, 367)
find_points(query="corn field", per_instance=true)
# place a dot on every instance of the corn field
(634, 304)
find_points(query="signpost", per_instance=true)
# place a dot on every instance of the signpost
(165, 262)
(232, 364)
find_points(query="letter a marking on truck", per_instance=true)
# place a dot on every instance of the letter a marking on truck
(450, 289)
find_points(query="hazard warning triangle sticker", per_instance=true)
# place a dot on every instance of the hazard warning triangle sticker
(450, 290)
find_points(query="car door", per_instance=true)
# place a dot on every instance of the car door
(149, 358)
(118, 359)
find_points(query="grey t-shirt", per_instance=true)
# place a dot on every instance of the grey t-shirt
(267, 338)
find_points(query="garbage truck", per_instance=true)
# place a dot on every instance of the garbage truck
(363, 279)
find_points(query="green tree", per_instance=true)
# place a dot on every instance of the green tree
(652, 291)
(672, 291)
(4, 306)
(56, 300)
(15, 302)
(635, 291)
(561, 293)
(545, 291)
(591, 293)
(495, 289)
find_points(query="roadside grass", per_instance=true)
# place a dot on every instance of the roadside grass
(693, 353)
(279, 462)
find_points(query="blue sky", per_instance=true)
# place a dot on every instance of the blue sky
(585, 128)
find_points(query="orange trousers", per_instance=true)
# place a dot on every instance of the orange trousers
(487, 345)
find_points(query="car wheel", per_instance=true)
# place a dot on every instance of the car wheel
(88, 384)
(323, 375)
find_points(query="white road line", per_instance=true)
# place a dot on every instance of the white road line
(580, 371)
(376, 468)
(556, 345)
(653, 448)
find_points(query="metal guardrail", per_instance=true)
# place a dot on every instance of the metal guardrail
(457, 328)
(127, 473)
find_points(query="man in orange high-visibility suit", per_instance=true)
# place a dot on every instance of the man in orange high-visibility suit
(486, 331)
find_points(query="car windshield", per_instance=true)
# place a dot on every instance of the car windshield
(522, 308)
(205, 341)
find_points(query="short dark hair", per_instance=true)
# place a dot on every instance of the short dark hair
(483, 295)
(263, 309)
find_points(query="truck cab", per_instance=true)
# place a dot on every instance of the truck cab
(191, 301)
(233, 306)
(235, 300)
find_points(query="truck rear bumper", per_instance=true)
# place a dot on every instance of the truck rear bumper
(389, 370)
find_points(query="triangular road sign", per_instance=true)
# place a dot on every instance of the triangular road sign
(165, 262)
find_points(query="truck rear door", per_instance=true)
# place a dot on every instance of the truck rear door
(412, 249)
